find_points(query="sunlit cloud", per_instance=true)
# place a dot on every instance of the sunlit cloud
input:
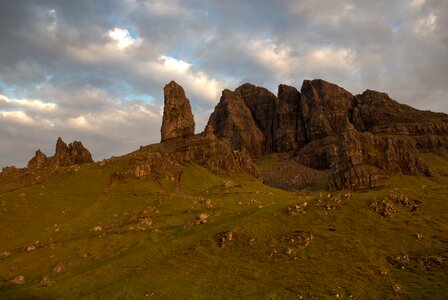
(123, 38)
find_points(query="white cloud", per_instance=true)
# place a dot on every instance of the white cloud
(16, 117)
(274, 57)
(31, 104)
(174, 65)
(416, 4)
(426, 24)
(195, 82)
(286, 65)
(123, 38)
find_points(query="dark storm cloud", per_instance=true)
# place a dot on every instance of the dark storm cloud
(94, 70)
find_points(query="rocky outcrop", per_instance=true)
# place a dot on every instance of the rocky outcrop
(166, 161)
(178, 121)
(263, 107)
(361, 140)
(232, 122)
(79, 154)
(65, 156)
(39, 160)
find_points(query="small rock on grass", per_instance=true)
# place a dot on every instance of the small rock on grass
(44, 281)
(58, 268)
(18, 280)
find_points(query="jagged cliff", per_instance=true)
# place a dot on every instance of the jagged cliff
(73, 154)
(360, 139)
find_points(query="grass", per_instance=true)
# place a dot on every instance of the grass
(347, 256)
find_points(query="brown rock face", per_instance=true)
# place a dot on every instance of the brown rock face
(290, 131)
(178, 121)
(38, 161)
(64, 156)
(361, 140)
(79, 154)
(263, 106)
(232, 122)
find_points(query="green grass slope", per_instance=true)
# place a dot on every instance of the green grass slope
(92, 239)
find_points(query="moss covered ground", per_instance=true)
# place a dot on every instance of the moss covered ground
(79, 236)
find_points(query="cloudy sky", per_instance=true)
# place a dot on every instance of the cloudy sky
(94, 70)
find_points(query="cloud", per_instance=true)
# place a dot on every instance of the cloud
(93, 72)
(426, 24)
(123, 38)
(32, 104)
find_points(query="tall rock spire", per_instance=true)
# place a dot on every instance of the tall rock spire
(178, 119)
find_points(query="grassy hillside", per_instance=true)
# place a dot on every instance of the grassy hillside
(81, 236)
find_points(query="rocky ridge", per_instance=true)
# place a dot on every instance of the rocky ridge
(179, 147)
(361, 139)
(65, 155)
(41, 169)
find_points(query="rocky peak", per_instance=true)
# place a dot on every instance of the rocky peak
(263, 106)
(62, 156)
(178, 119)
(61, 146)
(325, 109)
(233, 122)
(38, 161)
(360, 140)
(65, 156)
(79, 154)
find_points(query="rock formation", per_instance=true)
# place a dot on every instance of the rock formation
(65, 156)
(177, 116)
(361, 140)
(232, 122)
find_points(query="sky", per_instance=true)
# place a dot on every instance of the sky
(94, 71)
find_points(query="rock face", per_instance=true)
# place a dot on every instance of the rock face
(178, 119)
(65, 156)
(360, 140)
(232, 122)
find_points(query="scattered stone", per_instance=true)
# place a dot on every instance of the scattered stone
(145, 222)
(30, 248)
(58, 268)
(224, 238)
(418, 236)
(85, 254)
(396, 288)
(5, 254)
(97, 228)
(289, 251)
(44, 281)
(207, 203)
(300, 239)
(202, 218)
(399, 261)
(254, 202)
(150, 294)
(229, 184)
(296, 209)
(388, 205)
(18, 280)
